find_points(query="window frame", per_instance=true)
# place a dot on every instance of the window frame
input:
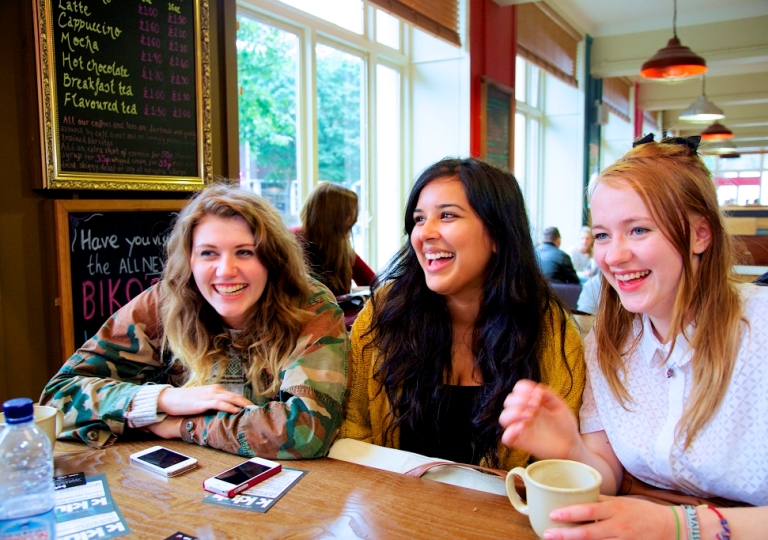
(311, 31)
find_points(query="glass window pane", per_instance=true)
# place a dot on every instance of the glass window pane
(533, 152)
(741, 163)
(726, 195)
(520, 79)
(387, 29)
(267, 68)
(389, 223)
(340, 123)
(345, 13)
(520, 138)
(748, 195)
(533, 86)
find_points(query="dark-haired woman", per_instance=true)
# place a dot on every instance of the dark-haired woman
(462, 314)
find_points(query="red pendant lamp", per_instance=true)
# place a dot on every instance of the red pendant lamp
(675, 61)
(716, 132)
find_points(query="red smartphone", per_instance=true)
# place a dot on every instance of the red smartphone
(239, 478)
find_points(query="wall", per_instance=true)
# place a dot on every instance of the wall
(29, 335)
(492, 48)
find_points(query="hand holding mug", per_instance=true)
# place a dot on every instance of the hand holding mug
(552, 484)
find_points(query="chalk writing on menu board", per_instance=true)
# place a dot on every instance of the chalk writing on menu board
(498, 114)
(125, 78)
(114, 256)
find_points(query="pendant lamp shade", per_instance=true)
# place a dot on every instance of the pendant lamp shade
(722, 147)
(702, 110)
(673, 62)
(716, 132)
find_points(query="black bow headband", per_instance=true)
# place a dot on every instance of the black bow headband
(691, 142)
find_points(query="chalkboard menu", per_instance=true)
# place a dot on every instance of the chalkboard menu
(496, 124)
(125, 93)
(108, 252)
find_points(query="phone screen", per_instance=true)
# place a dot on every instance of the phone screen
(242, 473)
(163, 458)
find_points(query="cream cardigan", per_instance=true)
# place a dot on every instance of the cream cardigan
(367, 411)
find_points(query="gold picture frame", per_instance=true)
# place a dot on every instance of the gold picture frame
(124, 94)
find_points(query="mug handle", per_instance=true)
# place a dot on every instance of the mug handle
(514, 498)
(59, 422)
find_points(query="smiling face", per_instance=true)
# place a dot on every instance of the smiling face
(636, 258)
(450, 240)
(226, 269)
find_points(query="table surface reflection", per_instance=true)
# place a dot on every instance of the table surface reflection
(334, 499)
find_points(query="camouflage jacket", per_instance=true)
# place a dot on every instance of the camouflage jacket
(96, 386)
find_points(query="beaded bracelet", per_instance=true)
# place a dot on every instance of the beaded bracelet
(693, 522)
(677, 522)
(725, 534)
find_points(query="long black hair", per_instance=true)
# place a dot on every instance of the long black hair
(411, 325)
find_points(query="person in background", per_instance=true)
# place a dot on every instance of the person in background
(555, 263)
(236, 347)
(461, 314)
(677, 393)
(581, 255)
(589, 298)
(327, 218)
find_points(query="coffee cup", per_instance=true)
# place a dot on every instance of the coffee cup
(49, 420)
(551, 484)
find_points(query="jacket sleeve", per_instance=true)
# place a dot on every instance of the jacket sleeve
(303, 420)
(357, 415)
(567, 271)
(95, 387)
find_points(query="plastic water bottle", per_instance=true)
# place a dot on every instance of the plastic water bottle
(27, 493)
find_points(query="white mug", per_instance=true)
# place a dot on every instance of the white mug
(551, 484)
(49, 420)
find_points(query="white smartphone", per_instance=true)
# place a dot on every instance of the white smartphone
(237, 479)
(164, 461)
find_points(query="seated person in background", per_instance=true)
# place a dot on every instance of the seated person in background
(327, 218)
(677, 393)
(555, 263)
(589, 299)
(581, 255)
(463, 312)
(234, 348)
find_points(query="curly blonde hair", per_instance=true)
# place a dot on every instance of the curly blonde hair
(194, 332)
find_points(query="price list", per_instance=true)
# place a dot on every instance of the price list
(126, 86)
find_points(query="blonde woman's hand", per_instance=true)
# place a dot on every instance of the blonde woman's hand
(167, 428)
(199, 399)
(538, 421)
(615, 517)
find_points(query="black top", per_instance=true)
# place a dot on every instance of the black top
(447, 435)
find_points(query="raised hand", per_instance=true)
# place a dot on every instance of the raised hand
(538, 421)
(199, 399)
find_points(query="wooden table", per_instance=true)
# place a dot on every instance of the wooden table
(335, 499)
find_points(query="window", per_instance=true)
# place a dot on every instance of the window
(528, 120)
(740, 180)
(321, 99)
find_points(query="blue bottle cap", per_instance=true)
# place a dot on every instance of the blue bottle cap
(18, 411)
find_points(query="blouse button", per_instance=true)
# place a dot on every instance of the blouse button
(189, 426)
(92, 435)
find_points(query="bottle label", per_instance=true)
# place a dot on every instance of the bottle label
(40, 527)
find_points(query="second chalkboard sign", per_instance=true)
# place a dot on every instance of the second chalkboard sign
(108, 252)
(125, 95)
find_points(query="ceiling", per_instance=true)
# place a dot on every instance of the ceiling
(731, 35)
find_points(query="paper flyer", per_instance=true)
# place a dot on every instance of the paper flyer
(262, 496)
(88, 511)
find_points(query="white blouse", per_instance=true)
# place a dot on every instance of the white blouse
(729, 456)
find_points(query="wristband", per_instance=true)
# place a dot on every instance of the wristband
(693, 522)
(725, 534)
(677, 522)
